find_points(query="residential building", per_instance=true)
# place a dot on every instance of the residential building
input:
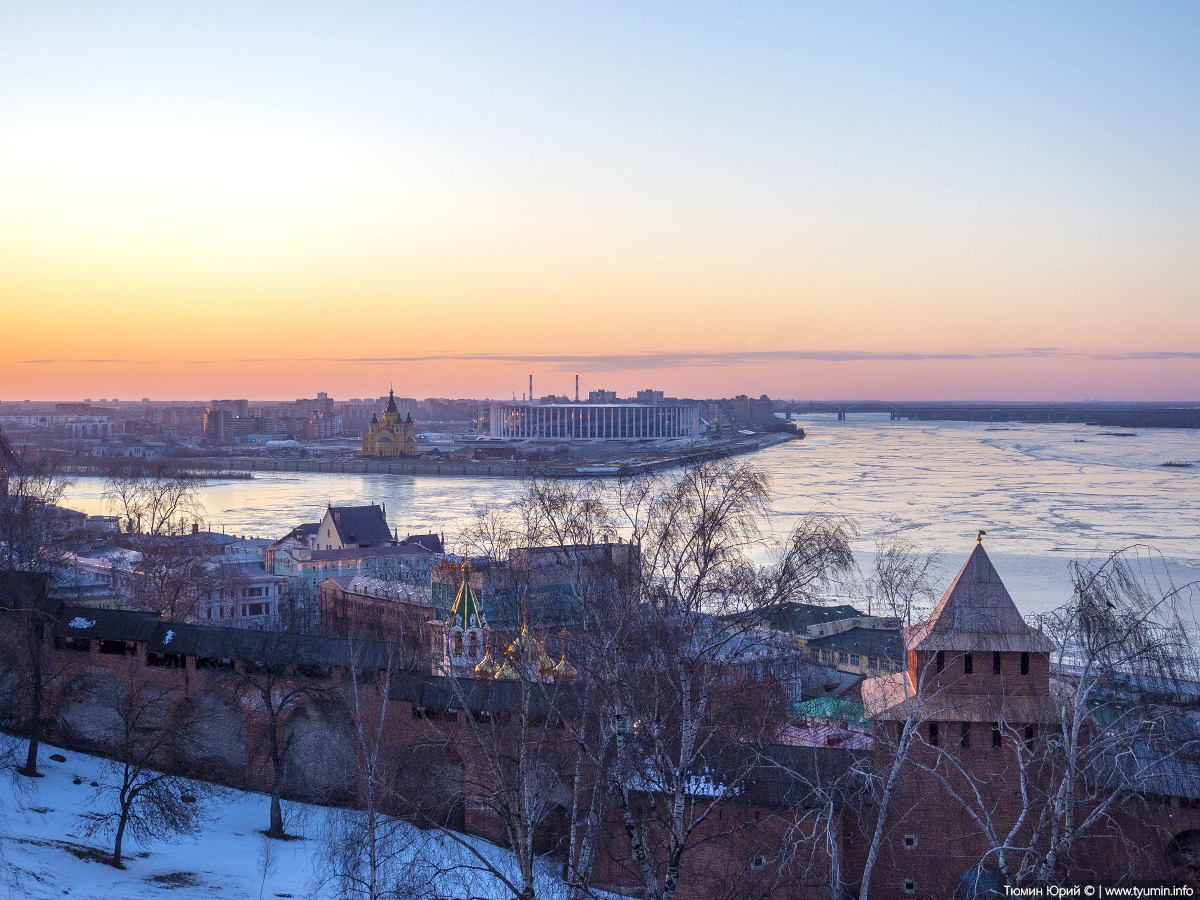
(863, 651)
(353, 527)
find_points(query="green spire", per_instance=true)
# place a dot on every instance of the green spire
(467, 611)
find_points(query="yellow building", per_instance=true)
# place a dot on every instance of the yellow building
(391, 437)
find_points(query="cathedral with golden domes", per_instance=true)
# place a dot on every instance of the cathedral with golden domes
(391, 437)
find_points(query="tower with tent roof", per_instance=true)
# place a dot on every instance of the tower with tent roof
(465, 631)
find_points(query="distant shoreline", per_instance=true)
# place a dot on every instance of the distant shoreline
(245, 467)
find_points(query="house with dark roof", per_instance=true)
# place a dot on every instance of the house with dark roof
(799, 618)
(865, 651)
(353, 527)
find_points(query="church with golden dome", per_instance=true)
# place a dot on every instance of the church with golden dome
(467, 646)
(391, 437)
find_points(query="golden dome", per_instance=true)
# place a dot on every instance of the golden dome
(564, 672)
(487, 666)
(507, 672)
(530, 649)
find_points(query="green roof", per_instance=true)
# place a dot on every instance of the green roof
(832, 708)
(797, 617)
(467, 611)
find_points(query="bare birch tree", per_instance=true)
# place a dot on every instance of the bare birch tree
(140, 795)
(368, 853)
(677, 677)
(153, 501)
(902, 579)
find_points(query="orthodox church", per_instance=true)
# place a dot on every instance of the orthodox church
(391, 437)
(467, 639)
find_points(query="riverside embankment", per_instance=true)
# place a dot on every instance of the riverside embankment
(632, 463)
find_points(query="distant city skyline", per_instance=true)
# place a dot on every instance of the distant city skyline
(902, 202)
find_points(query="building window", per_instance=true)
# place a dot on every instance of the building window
(910, 886)
(933, 734)
(1029, 733)
(842, 658)
(458, 643)
(964, 740)
(941, 662)
(910, 842)
(873, 662)
(968, 664)
(1024, 663)
(995, 735)
(854, 659)
(757, 861)
(995, 662)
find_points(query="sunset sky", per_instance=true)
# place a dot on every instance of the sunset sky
(903, 201)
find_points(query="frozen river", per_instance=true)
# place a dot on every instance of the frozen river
(1046, 494)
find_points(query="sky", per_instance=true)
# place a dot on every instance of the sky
(827, 201)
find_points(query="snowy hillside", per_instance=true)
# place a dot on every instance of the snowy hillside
(45, 853)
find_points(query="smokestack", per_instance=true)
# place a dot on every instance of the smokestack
(576, 388)
(530, 388)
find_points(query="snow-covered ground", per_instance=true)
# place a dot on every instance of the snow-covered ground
(45, 852)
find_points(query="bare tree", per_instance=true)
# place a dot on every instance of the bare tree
(869, 790)
(902, 579)
(154, 501)
(31, 552)
(574, 520)
(275, 679)
(686, 630)
(663, 637)
(267, 862)
(515, 754)
(158, 507)
(824, 799)
(369, 853)
(911, 699)
(155, 736)
(174, 572)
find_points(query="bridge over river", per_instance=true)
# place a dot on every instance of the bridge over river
(1113, 415)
